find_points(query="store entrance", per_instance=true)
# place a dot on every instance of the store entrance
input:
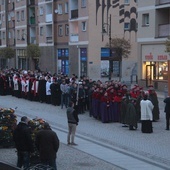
(150, 74)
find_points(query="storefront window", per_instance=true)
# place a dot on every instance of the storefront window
(162, 70)
(155, 71)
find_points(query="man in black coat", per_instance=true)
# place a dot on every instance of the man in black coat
(47, 143)
(167, 111)
(42, 89)
(23, 143)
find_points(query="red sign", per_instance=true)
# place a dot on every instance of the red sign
(149, 57)
(162, 57)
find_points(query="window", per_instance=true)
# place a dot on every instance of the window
(18, 18)
(22, 16)
(18, 34)
(41, 31)
(60, 30)
(126, 26)
(83, 3)
(127, 2)
(66, 7)
(23, 35)
(3, 17)
(66, 29)
(9, 35)
(60, 11)
(145, 19)
(84, 26)
(41, 10)
(3, 35)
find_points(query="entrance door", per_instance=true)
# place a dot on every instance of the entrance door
(150, 74)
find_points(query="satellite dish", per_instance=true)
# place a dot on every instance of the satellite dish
(56, 11)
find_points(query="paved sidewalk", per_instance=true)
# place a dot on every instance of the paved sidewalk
(110, 143)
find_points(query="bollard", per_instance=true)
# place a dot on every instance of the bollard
(165, 91)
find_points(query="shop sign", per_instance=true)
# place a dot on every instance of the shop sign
(149, 57)
(162, 57)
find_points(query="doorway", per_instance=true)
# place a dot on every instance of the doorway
(150, 74)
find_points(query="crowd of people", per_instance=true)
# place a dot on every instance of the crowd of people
(109, 101)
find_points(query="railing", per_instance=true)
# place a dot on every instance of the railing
(33, 40)
(32, 2)
(49, 39)
(49, 18)
(161, 2)
(74, 37)
(74, 14)
(32, 20)
(164, 30)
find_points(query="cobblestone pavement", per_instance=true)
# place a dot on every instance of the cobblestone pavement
(153, 146)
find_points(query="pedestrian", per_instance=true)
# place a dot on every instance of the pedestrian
(48, 90)
(47, 143)
(23, 143)
(131, 114)
(167, 111)
(154, 99)
(146, 114)
(72, 118)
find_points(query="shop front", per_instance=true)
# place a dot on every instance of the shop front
(154, 67)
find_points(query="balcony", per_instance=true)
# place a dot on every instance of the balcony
(49, 18)
(164, 30)
(32, 20)
(32, 2)
(74, 37)
(49, 39)
(32, 40)
(74, 13)
(161, 2)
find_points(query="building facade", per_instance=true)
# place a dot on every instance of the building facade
(69, 34)
(153, 30)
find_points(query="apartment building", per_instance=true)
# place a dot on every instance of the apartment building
(153, 30)
(69, 34)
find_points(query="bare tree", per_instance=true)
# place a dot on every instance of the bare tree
(121, 47)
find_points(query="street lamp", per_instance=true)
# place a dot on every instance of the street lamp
(106, 30)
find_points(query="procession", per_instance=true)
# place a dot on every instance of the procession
(107, 102)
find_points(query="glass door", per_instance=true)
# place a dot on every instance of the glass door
(150, 74)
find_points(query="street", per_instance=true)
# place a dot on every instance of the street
(100, 145)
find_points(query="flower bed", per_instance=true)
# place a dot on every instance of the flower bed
(8, 122)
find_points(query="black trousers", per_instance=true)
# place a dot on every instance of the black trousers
(167, 120)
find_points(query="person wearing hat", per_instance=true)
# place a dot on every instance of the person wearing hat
(47, 143)
(23, 143)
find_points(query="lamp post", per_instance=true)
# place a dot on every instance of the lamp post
(108, 32)
(25, 38)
